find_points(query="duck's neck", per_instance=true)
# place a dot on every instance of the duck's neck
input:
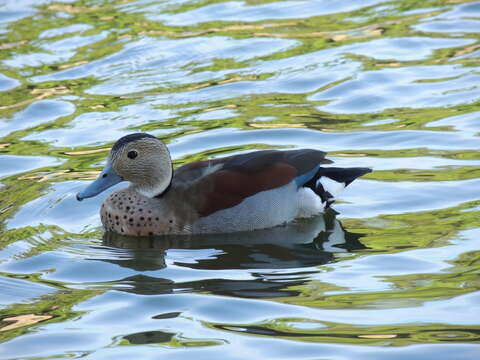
(164, 189)
(159, 187)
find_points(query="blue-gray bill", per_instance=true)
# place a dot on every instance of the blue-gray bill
(106, 179)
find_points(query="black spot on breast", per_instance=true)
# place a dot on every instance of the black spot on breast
(127, 208)
(142, 218)
(157, 219)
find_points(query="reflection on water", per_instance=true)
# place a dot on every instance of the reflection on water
(301, 245)
(319, 234)
(387, 85)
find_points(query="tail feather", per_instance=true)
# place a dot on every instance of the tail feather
(344, 175)
(328, 182)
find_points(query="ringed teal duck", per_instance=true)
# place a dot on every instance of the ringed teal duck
(256, 190)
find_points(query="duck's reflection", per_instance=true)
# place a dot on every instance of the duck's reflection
(298, 246)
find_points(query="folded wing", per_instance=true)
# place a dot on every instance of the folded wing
(226, 182)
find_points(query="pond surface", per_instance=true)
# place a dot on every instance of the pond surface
(393, 273)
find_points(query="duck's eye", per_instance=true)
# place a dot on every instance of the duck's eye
(132, 154)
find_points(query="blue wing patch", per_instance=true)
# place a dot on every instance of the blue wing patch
(304, 178)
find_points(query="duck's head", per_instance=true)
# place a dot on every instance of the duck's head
(139, 158)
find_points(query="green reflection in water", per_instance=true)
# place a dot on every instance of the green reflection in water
(56, 307)
(392, 234)
(401, 335)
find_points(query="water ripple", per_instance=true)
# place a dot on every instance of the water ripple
(391, 271)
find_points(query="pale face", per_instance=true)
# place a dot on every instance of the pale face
(141, 159)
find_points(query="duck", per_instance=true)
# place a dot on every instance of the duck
(244, 192)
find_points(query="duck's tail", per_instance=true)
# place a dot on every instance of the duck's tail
(328, 182)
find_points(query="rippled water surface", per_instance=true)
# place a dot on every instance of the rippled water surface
(392, 85)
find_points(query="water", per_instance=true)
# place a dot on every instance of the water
(389, 85)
